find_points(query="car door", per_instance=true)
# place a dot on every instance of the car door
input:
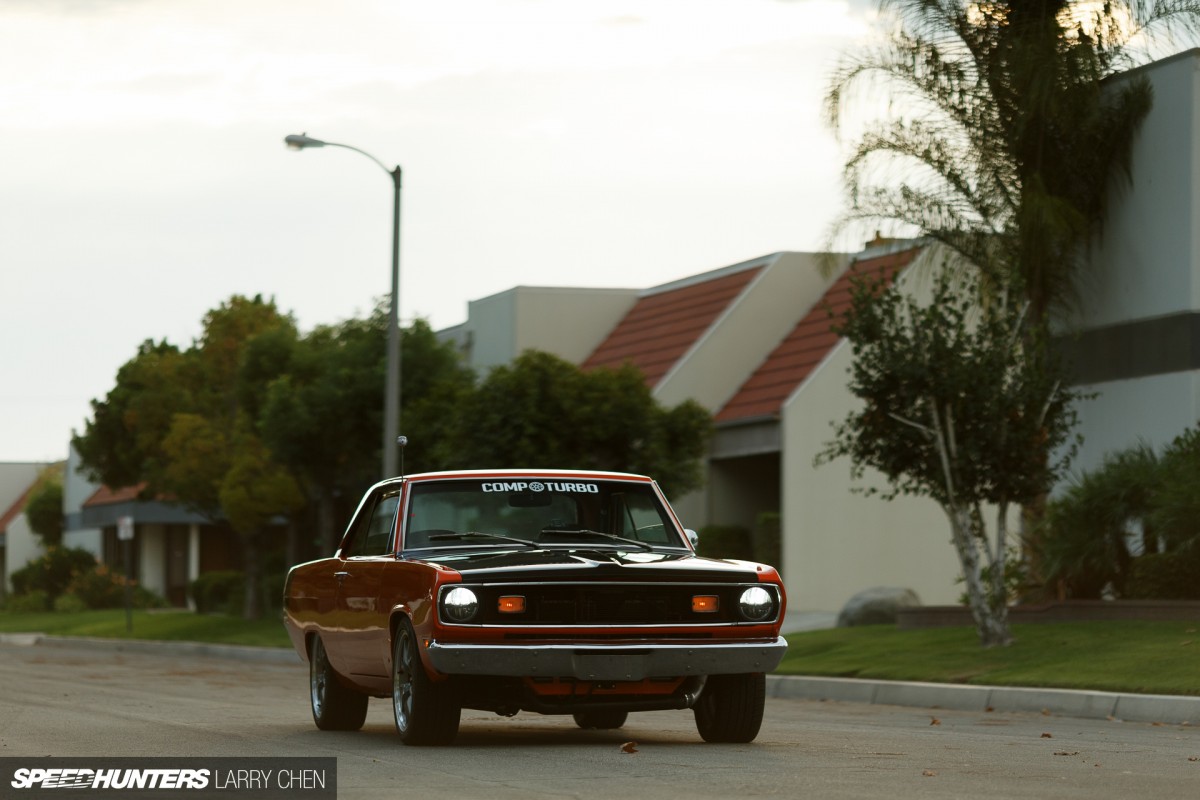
(362, 626)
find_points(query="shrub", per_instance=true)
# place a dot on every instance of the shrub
(218, 592)
(53, 572)
(99, 588)
(726, 541)
(32, 602)
(1165, 576)
(69, 604)
(768, 539)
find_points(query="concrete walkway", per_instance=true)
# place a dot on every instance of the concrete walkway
(1166, 709)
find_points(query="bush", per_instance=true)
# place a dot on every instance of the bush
(1164, 576)
(768, 539)
(102, 588)
(218, 592)
(33, 602)
(69, 604)
(53, 572)
(726, 541)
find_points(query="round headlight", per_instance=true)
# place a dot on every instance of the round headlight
(460, 604)
(756, 604)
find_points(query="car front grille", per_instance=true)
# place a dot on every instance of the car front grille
(610, 604)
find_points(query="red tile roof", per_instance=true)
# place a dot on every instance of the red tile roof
(794, 359)
(16, 508)
(663, 325)
(104, 496)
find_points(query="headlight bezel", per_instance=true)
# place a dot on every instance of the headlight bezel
(757, 604)
(459, 605)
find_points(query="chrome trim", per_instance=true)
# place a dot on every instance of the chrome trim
(601, 662)
(773, 588)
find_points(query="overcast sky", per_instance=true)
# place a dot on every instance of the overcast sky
(144, 180)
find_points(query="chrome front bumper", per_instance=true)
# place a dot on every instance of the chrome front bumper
(603, 662)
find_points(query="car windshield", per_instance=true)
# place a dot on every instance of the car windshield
(545, 512)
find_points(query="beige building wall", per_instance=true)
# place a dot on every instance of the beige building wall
(1146, 267)
(1145, 263)
(21, 545)
(836, 542)
(569, 323)
(718, 364)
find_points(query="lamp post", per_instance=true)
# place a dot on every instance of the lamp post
(391, 401)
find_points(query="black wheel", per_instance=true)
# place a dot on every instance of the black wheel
(731, 707)
(334, 707)
(600, 720)
(427, 713)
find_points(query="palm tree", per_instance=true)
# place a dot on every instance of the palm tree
(1002, 131)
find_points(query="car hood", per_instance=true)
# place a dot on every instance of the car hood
(599, 564)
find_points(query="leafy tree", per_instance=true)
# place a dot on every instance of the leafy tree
(176, 423)
(44, 508)
(121, 443)
(543, 411)
(322, 417)
(959, 407)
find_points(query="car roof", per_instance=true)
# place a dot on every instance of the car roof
(576, 474)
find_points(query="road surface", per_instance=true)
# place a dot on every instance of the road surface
(57, 701)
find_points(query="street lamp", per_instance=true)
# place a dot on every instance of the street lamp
(391, 401)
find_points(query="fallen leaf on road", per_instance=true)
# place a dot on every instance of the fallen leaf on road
(934, 721)
(1047, 736)
(629, 747)
(1193, 758)
(930, 773)
(989, 709)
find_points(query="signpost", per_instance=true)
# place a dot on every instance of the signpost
(125, 536)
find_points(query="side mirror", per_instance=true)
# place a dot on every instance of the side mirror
(693, 537)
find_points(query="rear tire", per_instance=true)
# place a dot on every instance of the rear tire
(731, 707)
(334, 707)
(427, 713)
(600, 720)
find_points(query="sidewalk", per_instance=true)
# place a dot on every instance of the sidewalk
(1165, 709)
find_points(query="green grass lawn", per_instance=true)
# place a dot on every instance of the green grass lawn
(1147, 657)
(1144, 657)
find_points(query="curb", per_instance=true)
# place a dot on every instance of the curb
(268, 655)
(1117, 706)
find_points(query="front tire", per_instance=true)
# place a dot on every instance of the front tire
(334, 707)
(731, 707)
(600, 720)
(427, 713)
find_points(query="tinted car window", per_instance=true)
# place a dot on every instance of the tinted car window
(373, 533)
(530, 509)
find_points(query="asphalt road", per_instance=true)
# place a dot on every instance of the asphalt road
(78, 702)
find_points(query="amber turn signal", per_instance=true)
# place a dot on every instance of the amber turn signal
(512, 604)
(705, 603)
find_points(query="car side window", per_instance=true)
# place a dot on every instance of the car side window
(373, 532)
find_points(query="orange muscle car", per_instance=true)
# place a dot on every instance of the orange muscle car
(549, 591)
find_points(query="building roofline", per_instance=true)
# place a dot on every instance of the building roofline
(705, 277)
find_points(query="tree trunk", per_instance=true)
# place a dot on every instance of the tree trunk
(252, 603)
(990, 614)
